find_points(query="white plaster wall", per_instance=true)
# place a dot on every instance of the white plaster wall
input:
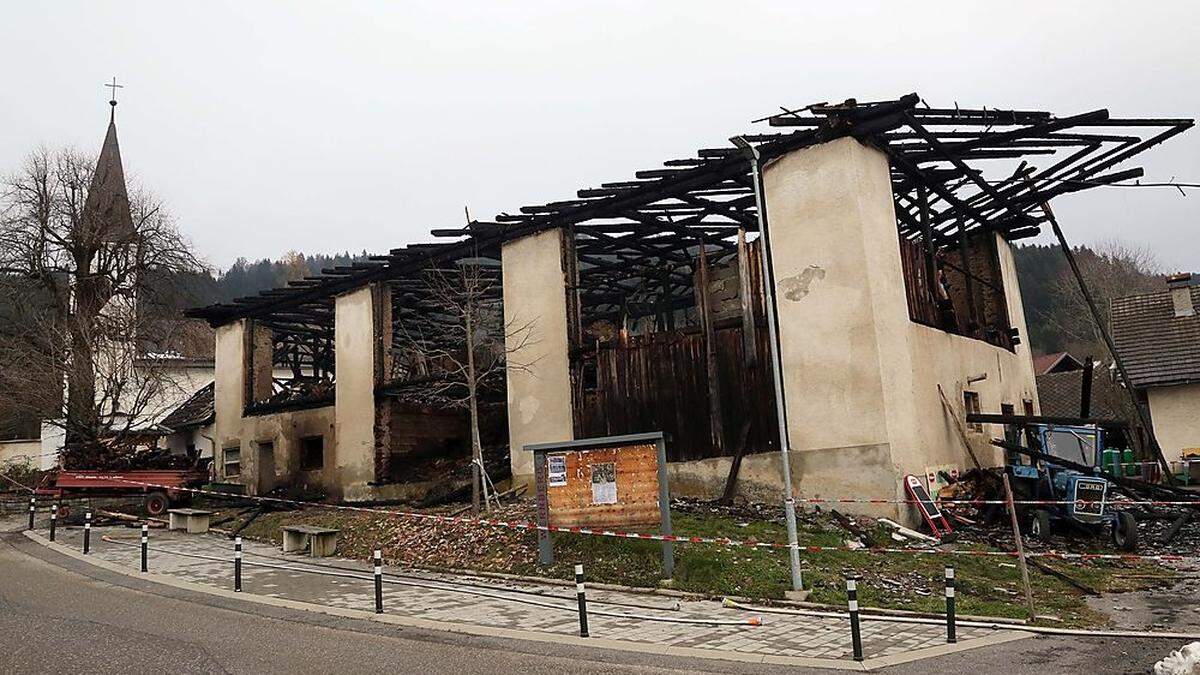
(228, 383)
(201, 437)
(21, 451)
(354, 344)
(829, 343)
(861, 379)
(539, 397)
(54, 437)
(943, 359)
(1175, 413)
(284, 429)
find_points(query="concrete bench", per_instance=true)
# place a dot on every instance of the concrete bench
(195, 521)
(320, 541)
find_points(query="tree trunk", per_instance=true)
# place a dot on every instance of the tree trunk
(82, 423)
(476, 449)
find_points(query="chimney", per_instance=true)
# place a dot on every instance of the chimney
(1180, 286)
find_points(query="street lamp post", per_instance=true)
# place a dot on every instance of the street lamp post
(768, 272)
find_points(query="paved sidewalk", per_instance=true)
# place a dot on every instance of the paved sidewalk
(464, 600)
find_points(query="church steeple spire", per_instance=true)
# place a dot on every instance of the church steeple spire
(107, 208)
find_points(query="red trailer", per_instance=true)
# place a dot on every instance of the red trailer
(159, 487)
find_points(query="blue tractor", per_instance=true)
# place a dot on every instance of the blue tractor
(1083, 497)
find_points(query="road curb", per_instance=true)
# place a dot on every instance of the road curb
(530, 636)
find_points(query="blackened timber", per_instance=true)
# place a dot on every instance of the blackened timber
(965, 256)
(927, 232)
(746, 299)
(710, 351)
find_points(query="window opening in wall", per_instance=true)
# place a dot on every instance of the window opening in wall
(312, 453)
(971, 405)
(955, 285)
(233, 461)
(289, 364)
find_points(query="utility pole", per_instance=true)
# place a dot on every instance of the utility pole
(768, 271)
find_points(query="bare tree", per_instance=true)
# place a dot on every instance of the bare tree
(1112, 269)
(86, 261)
(459, 346)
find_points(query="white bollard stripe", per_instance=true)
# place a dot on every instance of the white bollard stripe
(851, 585)
(853, 605)
(579, 569)
(949, 572)
(949, 592)
(579, 588)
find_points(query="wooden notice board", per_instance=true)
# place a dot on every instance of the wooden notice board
(603, 487)
(610, 482)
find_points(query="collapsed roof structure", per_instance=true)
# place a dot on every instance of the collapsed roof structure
(943, 184)
(641, 255)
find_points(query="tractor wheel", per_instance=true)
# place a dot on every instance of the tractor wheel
(1124, 532)
(156, 503)
(1039, 527)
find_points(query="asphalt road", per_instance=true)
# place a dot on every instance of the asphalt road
(60, 615)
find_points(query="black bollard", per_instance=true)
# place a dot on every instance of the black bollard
(145, 548)
(855, 628)
(378, 581)
(582, 596)
(32, 510)
(53, 520)
(87, 532)
(950, 637)
(237, 564)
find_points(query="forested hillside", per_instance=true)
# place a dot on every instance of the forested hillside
(247, 277)
(1055, 312)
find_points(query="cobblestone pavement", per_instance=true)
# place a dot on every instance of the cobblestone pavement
(467, 600)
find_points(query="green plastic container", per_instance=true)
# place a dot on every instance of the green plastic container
(1109, 459)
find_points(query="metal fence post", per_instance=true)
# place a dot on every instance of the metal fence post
(145, 548)
(378, 581)
(855, 628)
(237, 564)
(582, 596)
(87, 532)
(32, 509)
(53, 520)
(950, 637)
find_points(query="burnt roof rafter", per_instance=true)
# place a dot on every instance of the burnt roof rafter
(658, 216)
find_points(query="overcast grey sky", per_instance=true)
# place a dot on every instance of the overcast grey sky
(270, 126)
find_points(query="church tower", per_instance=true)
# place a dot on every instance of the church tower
(103, 307)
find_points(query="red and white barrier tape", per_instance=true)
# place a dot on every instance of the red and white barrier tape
(722, 541)
(799, 500)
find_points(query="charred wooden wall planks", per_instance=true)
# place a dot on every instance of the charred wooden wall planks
(657, 382)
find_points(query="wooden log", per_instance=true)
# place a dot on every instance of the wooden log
(710, 353)
(736, 465)
(1016, 529)
(962, 430)
(746, 297)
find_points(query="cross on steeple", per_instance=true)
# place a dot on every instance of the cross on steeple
(114, 87)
